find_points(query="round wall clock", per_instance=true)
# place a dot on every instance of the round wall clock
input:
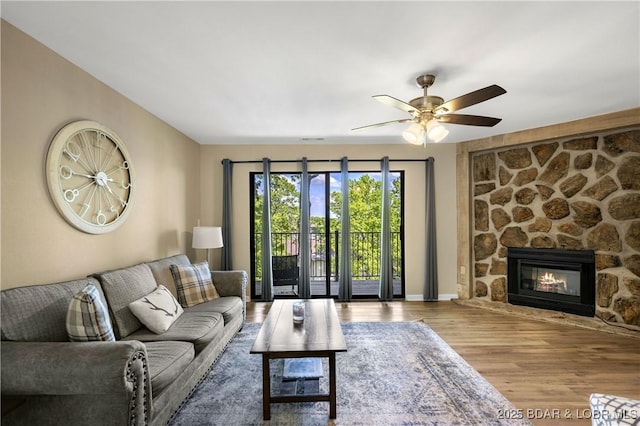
(90, 176)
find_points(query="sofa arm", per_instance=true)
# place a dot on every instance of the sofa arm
(232, 283)
(83, 368)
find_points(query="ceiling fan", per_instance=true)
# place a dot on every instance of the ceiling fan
(427, 112)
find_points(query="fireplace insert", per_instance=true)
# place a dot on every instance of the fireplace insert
(557, 279)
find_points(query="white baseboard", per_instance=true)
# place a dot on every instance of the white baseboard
(409, 297)
(419, 297)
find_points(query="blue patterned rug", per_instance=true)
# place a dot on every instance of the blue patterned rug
(398, 373)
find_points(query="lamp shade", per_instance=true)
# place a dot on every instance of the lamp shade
(206, 237)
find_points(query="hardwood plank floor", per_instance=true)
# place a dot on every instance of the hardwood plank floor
(545, 369)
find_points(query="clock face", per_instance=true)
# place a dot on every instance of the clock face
(90, 177)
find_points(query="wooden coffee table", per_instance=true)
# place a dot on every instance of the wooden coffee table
(319, 335)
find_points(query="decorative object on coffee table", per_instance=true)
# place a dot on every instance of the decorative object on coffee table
(302, 368)
(301, 376)
(298, 311)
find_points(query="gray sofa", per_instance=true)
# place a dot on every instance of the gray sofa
(141, 378)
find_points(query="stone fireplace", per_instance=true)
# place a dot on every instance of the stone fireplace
(557, 279)
(556, 188)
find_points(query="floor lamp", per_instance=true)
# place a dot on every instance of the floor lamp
(207, 237)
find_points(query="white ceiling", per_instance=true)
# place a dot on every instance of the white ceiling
(276, 72)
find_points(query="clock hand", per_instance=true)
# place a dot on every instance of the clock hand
(67, 172)
(122, 185)
(122, 202)
(80, 174)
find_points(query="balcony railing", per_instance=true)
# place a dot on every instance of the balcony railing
(325, 253)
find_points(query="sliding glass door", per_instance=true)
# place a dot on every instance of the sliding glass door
(325, 242)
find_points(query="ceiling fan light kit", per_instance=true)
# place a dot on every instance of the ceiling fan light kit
(428, 112)
(414, 134)
(418, 133)
(436, 131)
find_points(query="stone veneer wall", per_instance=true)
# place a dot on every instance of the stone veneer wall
(579, 193)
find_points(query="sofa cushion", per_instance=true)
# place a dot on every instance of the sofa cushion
(157, 310)
(199, 328)
(194, 284)
(88, 317)
(230, 307)
(38, 313)
(162, 272)
(166, 361)
(121, 287)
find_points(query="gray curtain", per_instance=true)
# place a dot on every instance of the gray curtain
(345, 288)
(431, 261)
(385, 291)
(267, 269)
(304, 284)
(227, 214)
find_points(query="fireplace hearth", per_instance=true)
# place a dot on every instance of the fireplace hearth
(557, 279)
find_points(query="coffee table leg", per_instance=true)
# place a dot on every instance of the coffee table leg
(266, 388)
(332, 385)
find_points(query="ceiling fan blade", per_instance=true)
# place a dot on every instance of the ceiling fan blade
(396, 103)
(405, 120)
(469, 120)
(472, 98)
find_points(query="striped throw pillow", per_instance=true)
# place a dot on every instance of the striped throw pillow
(88, 318)
(193, 284)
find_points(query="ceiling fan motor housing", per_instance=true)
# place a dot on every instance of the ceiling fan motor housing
(426, 103)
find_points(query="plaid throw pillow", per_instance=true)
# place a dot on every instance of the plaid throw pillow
(193, 284)
(88, 318)
(611, 410)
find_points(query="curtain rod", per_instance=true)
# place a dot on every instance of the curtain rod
(361, 160)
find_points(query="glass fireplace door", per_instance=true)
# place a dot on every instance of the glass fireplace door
(551, 279)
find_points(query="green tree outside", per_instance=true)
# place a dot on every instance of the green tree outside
(365, 208)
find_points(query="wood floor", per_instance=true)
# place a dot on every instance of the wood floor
(547, 370)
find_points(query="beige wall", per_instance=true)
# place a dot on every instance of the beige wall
(41, 92)
(444, 155)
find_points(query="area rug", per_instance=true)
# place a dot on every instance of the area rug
(398, 373)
